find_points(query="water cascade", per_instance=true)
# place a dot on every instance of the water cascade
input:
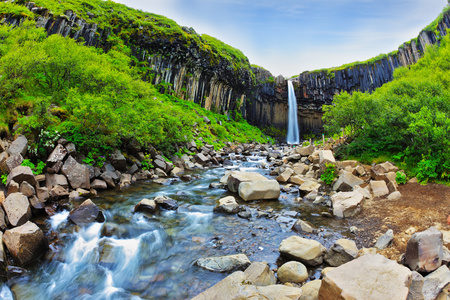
(293, 135)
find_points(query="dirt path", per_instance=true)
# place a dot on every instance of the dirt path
(420, 207)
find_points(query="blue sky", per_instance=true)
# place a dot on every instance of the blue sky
(291, 36)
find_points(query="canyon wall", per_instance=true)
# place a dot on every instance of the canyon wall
(268, 105)
(187, 71)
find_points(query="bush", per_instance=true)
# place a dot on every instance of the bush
(400, 178)
(330, 174)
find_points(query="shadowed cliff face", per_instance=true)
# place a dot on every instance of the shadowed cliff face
(191, 74)
(268, 104)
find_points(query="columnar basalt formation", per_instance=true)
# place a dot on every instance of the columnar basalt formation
(192, 73)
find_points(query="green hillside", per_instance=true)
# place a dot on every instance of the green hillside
(407, 119)
(53, 86)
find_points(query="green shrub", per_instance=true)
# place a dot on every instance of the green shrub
(400, 178)
(330, 173)
(37, 170)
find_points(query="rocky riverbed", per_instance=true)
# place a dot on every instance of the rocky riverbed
(179, 229)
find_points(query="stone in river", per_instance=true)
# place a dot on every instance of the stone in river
(227, 263)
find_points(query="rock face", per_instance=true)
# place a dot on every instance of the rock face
(368, 277)
(227, 263)
(292, 271)
(86, 213)
(259, 190)
(26, 243)
(17, 208)
(77, 174)
(424, 250)
(346, 204)
(309, 252)
(237, 286)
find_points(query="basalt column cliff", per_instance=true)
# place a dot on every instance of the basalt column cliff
(204, 70)
(267, 105)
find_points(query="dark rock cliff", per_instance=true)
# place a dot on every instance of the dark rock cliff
(188, 71)
(268, 104)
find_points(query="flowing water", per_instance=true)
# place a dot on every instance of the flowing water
(144, 256)
(293, 135)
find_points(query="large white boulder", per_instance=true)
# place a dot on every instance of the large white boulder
(307, 251)
(347, 204)
(259, 190)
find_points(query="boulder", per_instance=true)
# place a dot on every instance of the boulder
(378, 172)
(146, 205)
(260, 274)
(309, 186)
(346, 182)
(2, 256)
(259, 190)
(26, 243)
(166, 202)
(177, 171)
(17, 209)
(27, 189)
(326, 157)
(284, 177)
(3, 224)
(19, 146)
(307, 251)
(99, 184)
(292, 271)
(125, 180)
(379, 188)
(227, 263)
(58, 154)
(300, 170)
(36, 203)
(86, 213)
(12, 162)
(201, 159)
(71, 148)
(20, 174)
(424, 251)
(394, 196)
(429, 287)
(236, 286)
(106, 176)
(347, 163)
(57, 192)
(360, 171)
(298, 180)
(389, 167)
(118, 161)
(235, 178)
(305, 151)
(227, 205)
(13, 187)
(303, 226)
(346, 204)
(341, 252)
(55, 168)
(56, 179)
(367, 277)
(385, 240)
(77, 174)
(310, 290)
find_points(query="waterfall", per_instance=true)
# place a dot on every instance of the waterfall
(293, 136)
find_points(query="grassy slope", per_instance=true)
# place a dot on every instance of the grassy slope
(97, 99)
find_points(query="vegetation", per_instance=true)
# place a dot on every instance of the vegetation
(400, 178)
(407, 119)
(330, 173)
(36, 169)
(54, 87)
(431, 27)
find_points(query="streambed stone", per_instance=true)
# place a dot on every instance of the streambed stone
(86, 213)
(235, 178)
(259, 190)
(227, 263)
(227, 205)
(26, 243)
(307, 251)
(341, 252)
(292, 271)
